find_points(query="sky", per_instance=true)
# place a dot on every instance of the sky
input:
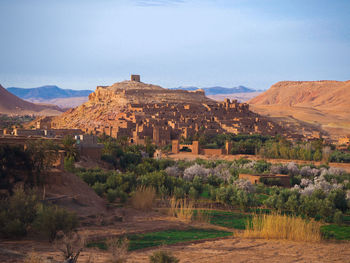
(79, 44)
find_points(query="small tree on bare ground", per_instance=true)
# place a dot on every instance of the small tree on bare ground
(71, 245)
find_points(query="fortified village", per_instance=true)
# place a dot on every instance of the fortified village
(142, 111)
(138, 110)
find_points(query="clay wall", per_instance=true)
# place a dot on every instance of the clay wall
(23, 132)
(283, 180)
(62, 132)
(175, 147)
(93, 152)
(212, 151)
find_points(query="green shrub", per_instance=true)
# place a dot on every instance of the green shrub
(179, 193)
(162, 256)
(338, 217)
(112, 194)
(99, 188)
(69, 164)
(193, 193)
(51, 219)
(17, 213)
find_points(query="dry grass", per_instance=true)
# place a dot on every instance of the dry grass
(277, 226)
(143, 198)
(118, 247)
(33, 258)
(181, 208)
(70, 245)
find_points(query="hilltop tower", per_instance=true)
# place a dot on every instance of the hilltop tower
(136, 78)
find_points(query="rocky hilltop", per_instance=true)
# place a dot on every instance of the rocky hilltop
(139, 110)
(324, 103)
(138, 92)
(108, 101)
(12, 105)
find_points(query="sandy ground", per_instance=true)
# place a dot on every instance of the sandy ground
(250, 250)
(225, 250)
(232, 249)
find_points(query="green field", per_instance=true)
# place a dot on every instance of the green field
(336, 232)
(167, 237)
(227, 219)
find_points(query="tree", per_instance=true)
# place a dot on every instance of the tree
(69, 146)
(44, 154)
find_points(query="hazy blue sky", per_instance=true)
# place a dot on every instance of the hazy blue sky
(80, 44)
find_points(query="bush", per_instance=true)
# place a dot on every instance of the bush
(69, 164)
(193, 193)
(179, 193)
(196, 170)
(112, 194)
(118, 248)
(17, 213)
(338, 217)
(99, 188)
(51, 219)
(162, 256)
(143, 198)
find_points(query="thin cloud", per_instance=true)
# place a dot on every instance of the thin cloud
(159, 2)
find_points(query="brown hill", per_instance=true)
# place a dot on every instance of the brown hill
(324, 103)
(12, 105)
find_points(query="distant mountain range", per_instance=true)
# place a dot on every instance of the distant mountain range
(11, 104)
(47, 93)
(219, 90)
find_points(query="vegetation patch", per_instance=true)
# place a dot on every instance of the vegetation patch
(278, 226)
(336, 232)
(168, 237)
(227, 219)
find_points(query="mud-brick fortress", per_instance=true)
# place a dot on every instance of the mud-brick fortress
(140, 111)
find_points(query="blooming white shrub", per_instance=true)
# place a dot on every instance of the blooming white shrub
(196, 170)
(332, 171)
(306, 171)
(307, 187)
(173, 171)
(244, 185)
(249, 165)
(292, 168)
(222, 171)
(278, 169)
(305, 182)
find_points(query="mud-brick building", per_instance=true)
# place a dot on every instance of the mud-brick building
(267, 179)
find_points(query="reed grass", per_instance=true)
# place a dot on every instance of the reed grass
(143, 198)
(181, 208)
(277, 226)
